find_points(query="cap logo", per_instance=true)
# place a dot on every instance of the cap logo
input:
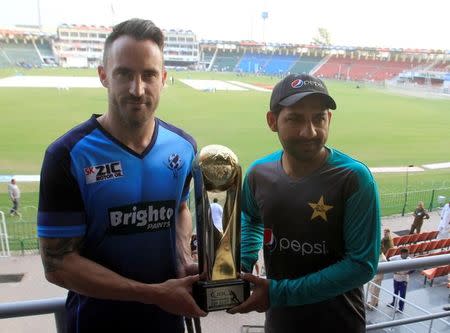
(297, 83)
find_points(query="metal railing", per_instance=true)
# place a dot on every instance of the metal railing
(56, 305)
(4, 237)
(37, 307)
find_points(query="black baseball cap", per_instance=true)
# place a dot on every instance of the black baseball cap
(294, 87)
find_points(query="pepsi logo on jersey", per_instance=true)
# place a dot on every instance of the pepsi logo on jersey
(285, 244)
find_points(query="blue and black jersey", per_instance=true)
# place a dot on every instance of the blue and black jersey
(124, 205)
(321, 238)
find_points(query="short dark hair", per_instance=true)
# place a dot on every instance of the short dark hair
(139, 29)
(404, 250)
(215, 200)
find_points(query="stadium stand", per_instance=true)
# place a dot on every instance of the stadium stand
(441, 66)
(422, 249)
(226, 60)
(4, 61)
(305, 64)
(280, 64)
(45, 48)
(253, 63)
(82, 46)
(270, 64)
(207, 56)
(22, 53)
(345, 67)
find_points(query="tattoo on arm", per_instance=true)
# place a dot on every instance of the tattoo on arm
(54, 250)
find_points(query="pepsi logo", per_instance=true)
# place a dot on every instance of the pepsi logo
(297, 83)
(270, 240)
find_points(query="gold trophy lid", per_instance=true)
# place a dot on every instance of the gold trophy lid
(219, 167)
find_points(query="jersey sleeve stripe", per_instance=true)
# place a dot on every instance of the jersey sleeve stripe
(61, 219)
(61, 232)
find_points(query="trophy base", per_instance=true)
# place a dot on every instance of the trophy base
(220, 295)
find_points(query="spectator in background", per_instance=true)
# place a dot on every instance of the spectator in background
(217, 212)
(419, 215)
(374, 288)
(386, 241)
(14, 195)
(444, 224)
(401, 279)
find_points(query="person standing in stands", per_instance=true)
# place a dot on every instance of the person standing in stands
(419, 215)
(401, 279)
(374, 288)
(114, 226)
(386, 242)
(444, 224)
(14, 195)
(217, 213)
(316, 211)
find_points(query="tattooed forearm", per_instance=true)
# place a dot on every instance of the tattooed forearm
(54, 250)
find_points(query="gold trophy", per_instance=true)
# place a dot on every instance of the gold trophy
(216, 169)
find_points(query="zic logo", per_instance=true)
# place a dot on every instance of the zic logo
(174, 163)
(102, 172)
(297, 83)
(142, 217)
(270, 240)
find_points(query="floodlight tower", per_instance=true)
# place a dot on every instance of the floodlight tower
(39, 14)
(264, 16)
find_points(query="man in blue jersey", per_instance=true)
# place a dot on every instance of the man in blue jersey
(316, 212)
(113, 222)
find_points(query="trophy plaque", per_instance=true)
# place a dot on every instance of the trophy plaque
(216, 170)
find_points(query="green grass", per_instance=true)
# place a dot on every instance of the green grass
(378, 128)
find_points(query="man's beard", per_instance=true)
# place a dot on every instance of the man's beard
(301, 153)
(123, 106)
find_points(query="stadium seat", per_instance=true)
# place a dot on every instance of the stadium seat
(413, 238)
(436, 245)
(447, 244)
(413, 249)
(432, 235)
(396, 240)
(421, 248)
(391, 252)
(430, 246)
(404, 240)
(422, 236)
(432, 273)
(440, 244)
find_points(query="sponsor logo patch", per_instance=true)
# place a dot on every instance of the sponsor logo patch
(297, 83)
(284, 245)
(101, 172)
(141, 217)
(269, 239)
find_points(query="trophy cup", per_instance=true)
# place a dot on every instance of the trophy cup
(216, 169)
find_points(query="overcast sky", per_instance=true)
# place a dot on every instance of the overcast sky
(382, 23)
